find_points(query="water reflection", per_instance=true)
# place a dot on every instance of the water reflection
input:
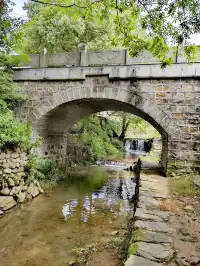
(113, 197)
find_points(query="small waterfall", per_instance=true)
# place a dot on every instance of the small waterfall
(135, 146)
(128, 145)
(140, 145)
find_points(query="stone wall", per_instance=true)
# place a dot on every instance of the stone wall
(15, 184)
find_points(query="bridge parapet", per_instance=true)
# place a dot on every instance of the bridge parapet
(99, 58)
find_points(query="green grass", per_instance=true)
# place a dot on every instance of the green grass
(183, 186)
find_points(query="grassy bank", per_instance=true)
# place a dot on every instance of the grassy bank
(184, 186)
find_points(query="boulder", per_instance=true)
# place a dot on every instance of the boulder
(21, 197)
(33, 190)
(5, 191)
(1, 212)
(189, 208)
(29, 197)
(36, 182)
(15, 155)
(7, 171)
(24, 188)
(7, 202)
(5, 165)
(16, 190)
(11, 183)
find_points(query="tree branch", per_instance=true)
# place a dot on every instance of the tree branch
(59, 5)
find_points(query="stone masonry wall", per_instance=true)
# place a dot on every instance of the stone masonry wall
(165, 103)
(180, 99)
(15, 184)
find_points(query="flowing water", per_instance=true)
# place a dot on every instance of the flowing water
(83, 219)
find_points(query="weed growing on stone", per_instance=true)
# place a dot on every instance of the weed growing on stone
(132, 249)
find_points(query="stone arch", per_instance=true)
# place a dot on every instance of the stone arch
(122, 98)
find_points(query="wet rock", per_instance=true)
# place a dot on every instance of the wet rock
(33, 190)
(153, 237)
(21, 197)
(139, 261)
(5, 191)
(11, 183)
(157, 252)
(153, 226)
(7, 202)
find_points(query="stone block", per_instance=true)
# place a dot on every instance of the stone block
(139, 261)
(33, 190)
(154, 251)
(7, 202)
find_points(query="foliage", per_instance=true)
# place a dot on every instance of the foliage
(41, 168)
(8, 26)
(132, 249)
(45, 166)
(59, 29)
(183, 186)
(13, 133)
(97, 137)
(138, 25)
(101, 135)
(126, 125)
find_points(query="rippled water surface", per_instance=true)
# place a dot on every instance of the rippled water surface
(89, 212)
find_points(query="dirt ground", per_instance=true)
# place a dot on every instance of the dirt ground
(185, 219)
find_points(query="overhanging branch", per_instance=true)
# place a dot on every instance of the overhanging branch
(59, 5)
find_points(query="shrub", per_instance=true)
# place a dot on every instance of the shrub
(13, 133)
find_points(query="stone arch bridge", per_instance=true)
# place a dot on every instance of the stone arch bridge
(64, 88)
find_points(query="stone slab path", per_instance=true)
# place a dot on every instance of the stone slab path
(151, 243)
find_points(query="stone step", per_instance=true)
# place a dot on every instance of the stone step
(139, 261)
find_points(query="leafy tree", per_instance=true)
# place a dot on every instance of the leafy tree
(13, 133)
(96, 137)
(124, 125)
(59, 29)
(139, 25)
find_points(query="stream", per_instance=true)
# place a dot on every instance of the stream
(82, 221)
